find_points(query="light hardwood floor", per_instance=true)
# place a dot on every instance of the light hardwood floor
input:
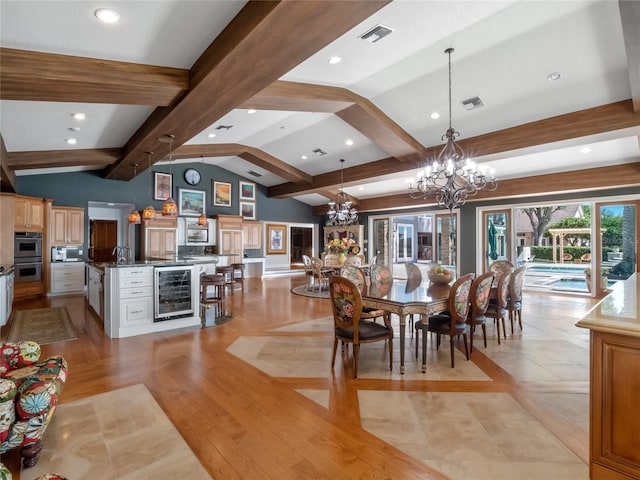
(256, 397)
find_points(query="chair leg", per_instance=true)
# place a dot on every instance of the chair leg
(466, 350)
(504, 329)
(335, 349)
(391, 354)
(484, 335)
(451, 348)
(511, 320)
(519, 312)
(497, 323)
(356, 351)
(473, 330)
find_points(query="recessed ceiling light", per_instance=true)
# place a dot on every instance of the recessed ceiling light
(361, 188)
(335, 59)
(251, 111)
(107, 15)
(71, 141)
(211, 135)
(435, 115)
(349, 142)
(74, 129)
(79, 116)
(552, 77)
(303, 157)
(585, 150)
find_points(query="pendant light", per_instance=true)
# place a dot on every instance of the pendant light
(202, 219)
(341, 210)
(134, 216)
(169, 207)
(149, 213)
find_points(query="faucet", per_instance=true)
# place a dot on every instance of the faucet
(121, 253)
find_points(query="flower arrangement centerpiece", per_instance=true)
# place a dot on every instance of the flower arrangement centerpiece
(340, 246)
(439, 274)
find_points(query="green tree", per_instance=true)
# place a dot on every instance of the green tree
(572, 222)
(539, 217)
(613, 223)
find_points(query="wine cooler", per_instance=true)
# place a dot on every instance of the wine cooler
(173, 292)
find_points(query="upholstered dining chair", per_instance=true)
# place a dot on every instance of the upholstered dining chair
(353, 260)
(320, 275)
(346, 305)
(331, 260)
(358, 277)
(308, 270)
(498, 306)
(452, 322)
(514, 299)
(479, 298)
(414, 278)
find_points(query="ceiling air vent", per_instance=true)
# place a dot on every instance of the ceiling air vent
(224, 127)
(376, 33)
(254, 173)
(472, 103)
(319, 151)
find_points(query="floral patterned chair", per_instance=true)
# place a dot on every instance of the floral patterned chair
(29, 392)
(5, 474)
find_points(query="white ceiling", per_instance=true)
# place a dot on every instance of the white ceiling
(504, 51)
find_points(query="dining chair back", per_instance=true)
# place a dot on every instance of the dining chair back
(320, 277)
(452, 322)
(358, 277)
(515, 296)
(479, 300)
(414, 275)
(500, 266)
(354, 260)
(346, 306)
(498, 305)
(331, 260)
(308, 270)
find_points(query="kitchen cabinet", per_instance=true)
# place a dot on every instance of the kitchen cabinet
(67, 277)
(129, 300)
(229, 222)
(6, 297)
(7, 204)
(252, 234)
(231, 243)
(28, 214)
(67, 226)
(159, 238)
(95, 290)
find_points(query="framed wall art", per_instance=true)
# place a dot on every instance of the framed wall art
(248, 210)
(191, 202)
(276, 239)
(162, 186)
(247, 191)
(221, 194)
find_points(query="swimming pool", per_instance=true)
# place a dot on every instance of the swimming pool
(557, 268)
(573, 284)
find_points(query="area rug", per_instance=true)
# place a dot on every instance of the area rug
(122, 434)
(42, 325)
(302, 290)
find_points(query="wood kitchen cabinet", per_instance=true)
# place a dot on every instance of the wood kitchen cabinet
(230, 243)
(159, 238)
(67, 226)
(252, 234)
(28, 214)
(6, 232)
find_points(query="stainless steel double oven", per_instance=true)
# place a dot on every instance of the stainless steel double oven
(27, 256)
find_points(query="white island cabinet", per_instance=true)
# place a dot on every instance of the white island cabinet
(129, 302)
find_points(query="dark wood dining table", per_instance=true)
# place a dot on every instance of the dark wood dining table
(404, 298)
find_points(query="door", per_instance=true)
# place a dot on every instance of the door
(496, 238)
(103, 239)
(301, 244)
(404, 242)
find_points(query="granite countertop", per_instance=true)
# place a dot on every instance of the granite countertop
(618, 312)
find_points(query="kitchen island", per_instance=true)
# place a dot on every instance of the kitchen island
(146, 297)
(615, 383)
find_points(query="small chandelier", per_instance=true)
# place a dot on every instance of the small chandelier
(149, 213)
(169, 207)
(340, 210)
(452, 178)
(202, 219)
(134, 215)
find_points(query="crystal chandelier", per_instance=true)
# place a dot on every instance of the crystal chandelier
(452, 178)
(340, 210)
(134, 215)
(169, 207)
(149, 213)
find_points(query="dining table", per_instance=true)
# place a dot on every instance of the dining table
(405, 297)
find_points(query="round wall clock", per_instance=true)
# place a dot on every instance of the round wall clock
(192, 176)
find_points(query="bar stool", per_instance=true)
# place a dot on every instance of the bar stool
(227, 272)
(238, 274)
(217, 282)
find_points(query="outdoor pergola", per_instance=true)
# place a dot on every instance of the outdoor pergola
(558, 234)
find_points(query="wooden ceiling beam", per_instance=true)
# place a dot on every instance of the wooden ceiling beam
(616, 176)
(7, 175)
(243, 60)
(96, 157)
(37, 76)
(252, 155)
(592, 121)
(630, 19)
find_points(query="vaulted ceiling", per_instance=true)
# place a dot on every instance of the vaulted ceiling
(195, 69)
